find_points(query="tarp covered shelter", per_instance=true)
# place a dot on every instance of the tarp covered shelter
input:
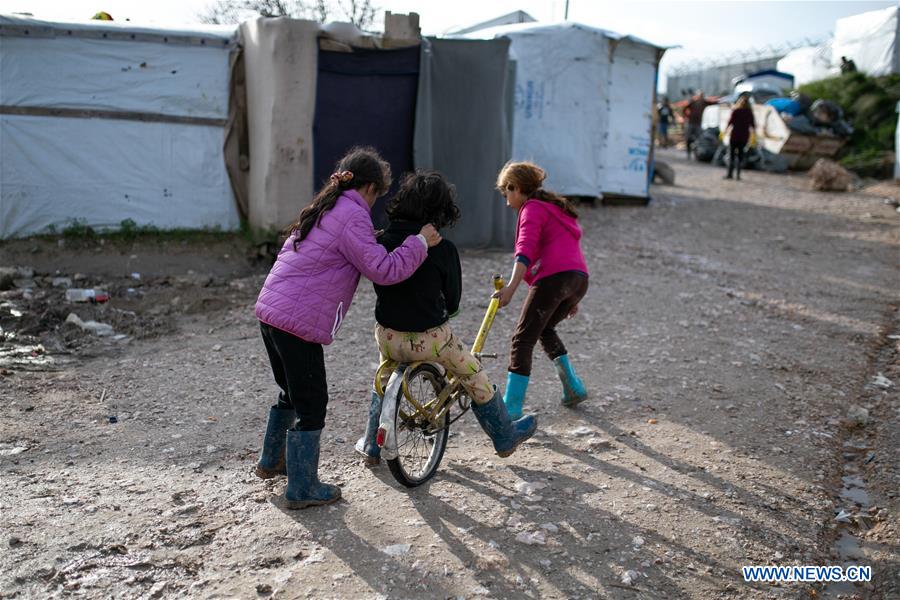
(103, 122)
(809, 63)
(870, 39)
(313, 92)
(583, 105)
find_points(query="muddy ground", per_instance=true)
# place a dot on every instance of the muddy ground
(740, 341)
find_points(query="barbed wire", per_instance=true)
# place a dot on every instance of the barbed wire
(749, 55)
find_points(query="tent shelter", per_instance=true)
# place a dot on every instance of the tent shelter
(195, 128)
(103, 122)
(313, 92)
(810, 63)
(870, 39)
(583, 105)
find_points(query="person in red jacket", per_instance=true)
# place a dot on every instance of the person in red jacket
(693, 120)
(549, 259)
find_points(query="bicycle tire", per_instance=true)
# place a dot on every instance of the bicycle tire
(402, 467)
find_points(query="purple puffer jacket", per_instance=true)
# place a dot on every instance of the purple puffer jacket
(308, 292)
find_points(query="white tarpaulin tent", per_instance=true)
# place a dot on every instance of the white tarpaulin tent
(809, 63)
(870, 40)
(102, 122)
(583, 105)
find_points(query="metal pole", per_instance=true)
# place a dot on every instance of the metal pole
(566, 17)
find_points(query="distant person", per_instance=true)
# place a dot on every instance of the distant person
(741, 125)
(413, 316)
(847, 65)
(693, 114)
(304, 301)
(549, 259)
(665, 115)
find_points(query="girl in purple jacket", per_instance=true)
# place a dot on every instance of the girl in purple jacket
(549, 259)
(303, 303)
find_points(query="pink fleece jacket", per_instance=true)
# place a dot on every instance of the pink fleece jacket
(548, 239)
(308, 291)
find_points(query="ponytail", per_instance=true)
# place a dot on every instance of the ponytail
(528, 178)
(358, 168)
(554, 198)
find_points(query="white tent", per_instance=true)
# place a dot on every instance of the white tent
(102, 122)
(809, 63)
(870, 40)
(583, 105)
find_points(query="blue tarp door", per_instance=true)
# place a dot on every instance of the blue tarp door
(366, 98)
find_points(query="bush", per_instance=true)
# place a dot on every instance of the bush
(869, 104)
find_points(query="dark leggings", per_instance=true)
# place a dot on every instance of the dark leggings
(549, 301)
(299, 370)
(735, 158)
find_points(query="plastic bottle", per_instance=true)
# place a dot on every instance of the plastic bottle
(86, 295)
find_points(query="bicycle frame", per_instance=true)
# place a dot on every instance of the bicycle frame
(434, 412)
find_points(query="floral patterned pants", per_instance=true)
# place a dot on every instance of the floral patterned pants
(437, 345)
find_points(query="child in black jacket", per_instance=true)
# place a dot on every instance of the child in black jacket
(413, 316)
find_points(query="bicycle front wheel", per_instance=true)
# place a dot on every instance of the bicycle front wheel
(420, 442)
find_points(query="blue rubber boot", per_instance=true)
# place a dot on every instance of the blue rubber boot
(366, 445)
(271, 457)
(304, 488)
(573, 388)
(503, 431)
(516, 386)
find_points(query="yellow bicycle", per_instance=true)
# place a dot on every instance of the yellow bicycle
(421, 401)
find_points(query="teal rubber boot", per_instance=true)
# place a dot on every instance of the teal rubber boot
(304, 488)
(271, 458)
(505, 432)
(366, 445)
(573, 388)
(516, 386)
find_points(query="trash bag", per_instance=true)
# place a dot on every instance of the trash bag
(773, 163)
(706, 144)
(842, 128)
(752, 159)
(720, 156)
(803, 100)
(801, 124)
(786, 105)
(825, 112)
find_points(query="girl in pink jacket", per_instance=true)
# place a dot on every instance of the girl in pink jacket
(549, 259)
(303, 303)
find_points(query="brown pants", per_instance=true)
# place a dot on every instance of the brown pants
(549, 301)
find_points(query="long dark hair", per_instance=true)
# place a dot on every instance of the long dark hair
(425, 197)
(528, 178)
(361, 166)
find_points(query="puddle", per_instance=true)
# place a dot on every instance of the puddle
(855, 501)
(854, 490)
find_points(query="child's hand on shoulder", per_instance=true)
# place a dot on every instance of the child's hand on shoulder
(431, 235)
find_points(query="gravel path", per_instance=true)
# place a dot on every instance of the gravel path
(728, 332)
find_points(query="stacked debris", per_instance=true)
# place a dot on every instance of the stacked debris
(870, 104)
(822, 117)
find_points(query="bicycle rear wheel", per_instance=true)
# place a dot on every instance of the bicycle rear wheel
(420, 443)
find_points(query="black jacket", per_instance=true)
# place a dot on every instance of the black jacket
(430, 296)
